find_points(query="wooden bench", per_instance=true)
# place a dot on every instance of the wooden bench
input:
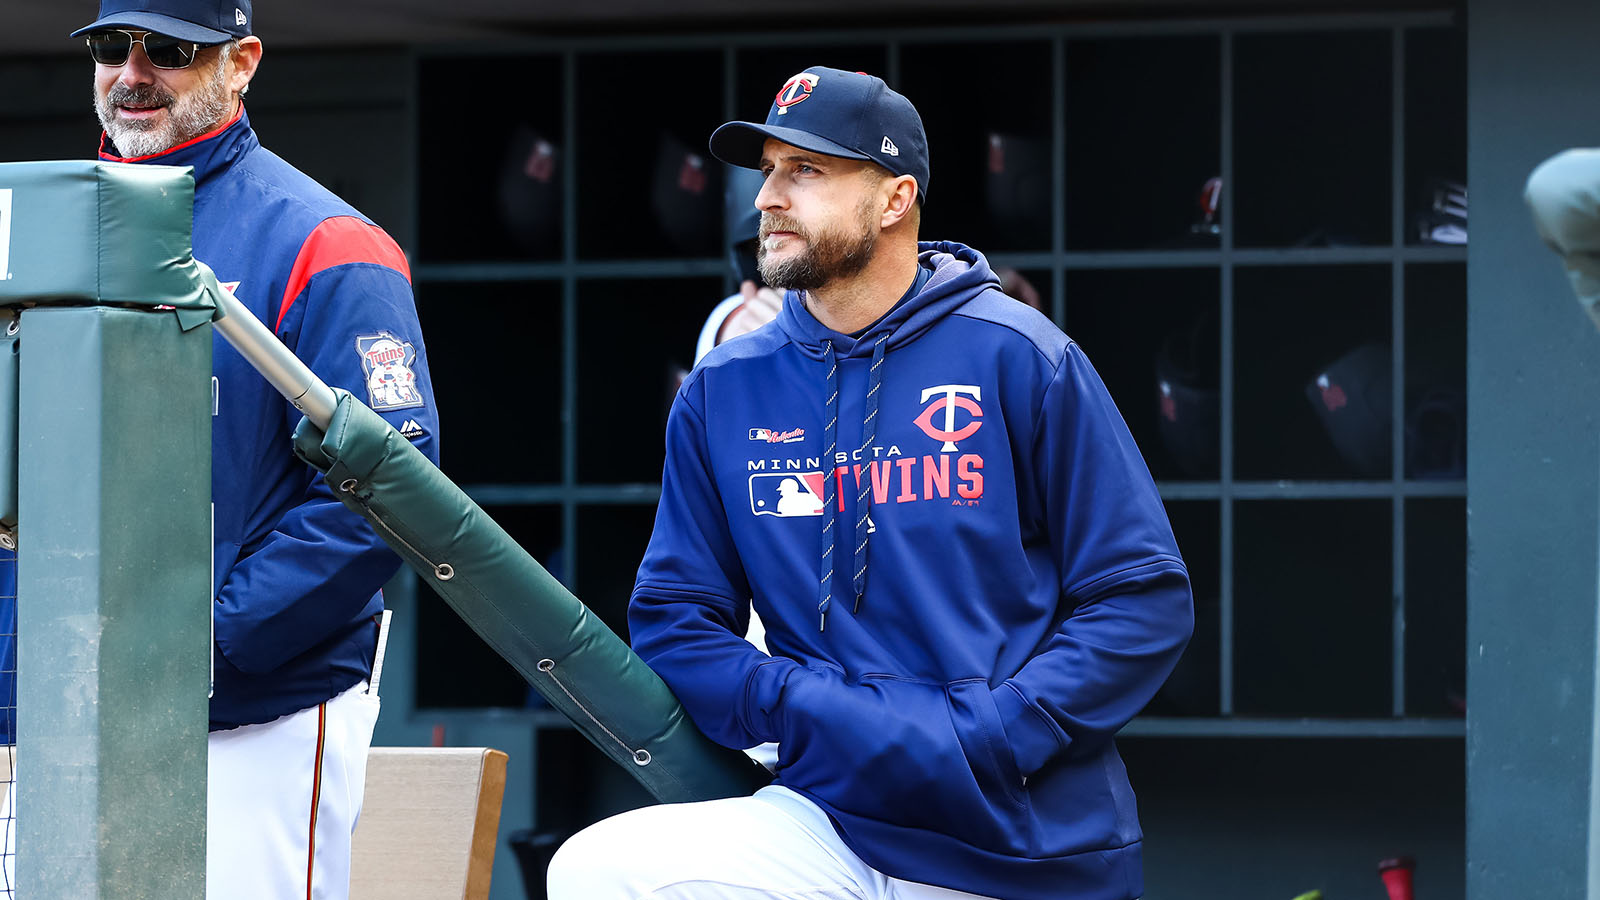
(428, 823)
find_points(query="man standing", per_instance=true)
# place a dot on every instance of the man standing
(985, 591)
(297, 575)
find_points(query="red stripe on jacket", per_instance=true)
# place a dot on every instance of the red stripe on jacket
(339, 241)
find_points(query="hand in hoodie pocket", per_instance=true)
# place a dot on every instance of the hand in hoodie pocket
(934, 755)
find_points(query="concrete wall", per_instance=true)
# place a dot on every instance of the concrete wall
(1533, 375)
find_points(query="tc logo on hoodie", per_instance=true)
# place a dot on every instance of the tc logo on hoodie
(949, 400)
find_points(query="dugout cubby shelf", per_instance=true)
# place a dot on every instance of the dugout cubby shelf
(490, 142)
(991, 148)
(1154, 337)
(646, 184)
(1313, 138)
(1144, 121)
(1291, 325)
(499, 339)
(1436, 606)
(636, 326)
(1328, 572)
(1435, 121)
(1312, 608)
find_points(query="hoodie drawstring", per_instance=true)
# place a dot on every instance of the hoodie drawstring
(830, 439)
(869, 436)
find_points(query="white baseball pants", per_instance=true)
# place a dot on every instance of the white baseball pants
(775, 844)
(282, 799)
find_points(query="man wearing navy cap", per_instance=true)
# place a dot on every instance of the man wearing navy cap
(966, 573)
(297, 603)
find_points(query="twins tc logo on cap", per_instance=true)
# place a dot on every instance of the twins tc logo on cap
(796, 89)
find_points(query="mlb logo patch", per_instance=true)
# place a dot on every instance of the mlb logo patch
(786, 494)
(387, 362)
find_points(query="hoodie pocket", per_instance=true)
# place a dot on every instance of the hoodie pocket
(983, 739)
(917, 754)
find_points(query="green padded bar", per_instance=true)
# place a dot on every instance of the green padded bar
(520, 610)
(96, 232)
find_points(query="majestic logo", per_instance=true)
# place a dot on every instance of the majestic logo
(948, 398)
(387, 361)
(786, 494)
(768, 436)
(794, 91)
(410, 430)
(889, 147)
(5, 234)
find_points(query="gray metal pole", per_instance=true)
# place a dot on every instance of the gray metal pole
(293, 379)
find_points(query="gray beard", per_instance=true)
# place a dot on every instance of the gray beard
(188, 117)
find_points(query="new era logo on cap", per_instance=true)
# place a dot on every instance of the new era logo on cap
(889, 147)
(239, 18)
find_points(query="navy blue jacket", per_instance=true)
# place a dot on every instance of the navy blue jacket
(1023, 594)
(297, 575)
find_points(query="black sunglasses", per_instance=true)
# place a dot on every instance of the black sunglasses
(111, 48)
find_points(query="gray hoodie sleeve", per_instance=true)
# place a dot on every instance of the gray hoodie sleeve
(1564, 194)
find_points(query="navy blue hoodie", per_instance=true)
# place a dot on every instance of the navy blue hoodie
(950, 693)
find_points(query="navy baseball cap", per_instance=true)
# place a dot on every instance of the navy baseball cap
(835, 113)
(201, 21)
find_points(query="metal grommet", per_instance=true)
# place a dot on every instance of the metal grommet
(13, 327)
(444, 571)
(546, 665)
(349, 485)
(641, 757)
(8, 540)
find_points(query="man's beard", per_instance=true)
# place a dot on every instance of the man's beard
(828, 256)
(187, 117)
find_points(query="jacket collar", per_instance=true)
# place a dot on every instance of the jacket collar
(209, 153)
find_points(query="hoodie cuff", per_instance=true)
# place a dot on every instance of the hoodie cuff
(763, 691)
(1033, 740)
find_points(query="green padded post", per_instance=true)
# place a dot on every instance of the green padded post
(9, 371)
(113, 453)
